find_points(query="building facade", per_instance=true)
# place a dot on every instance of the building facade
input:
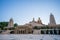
(36, 27)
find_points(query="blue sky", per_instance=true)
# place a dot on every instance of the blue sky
(22, 11)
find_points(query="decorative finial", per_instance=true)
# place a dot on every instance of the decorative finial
(39, 21)
(33, 20)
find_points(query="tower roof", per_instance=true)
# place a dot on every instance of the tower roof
(11, 19)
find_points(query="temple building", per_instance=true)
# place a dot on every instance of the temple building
(34, 27)
(28, 28)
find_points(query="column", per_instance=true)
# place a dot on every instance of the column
(48, 31)
(44, 31)
(57, 31)
(53, 31)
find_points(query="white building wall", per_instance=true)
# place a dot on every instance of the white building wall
(36, 31)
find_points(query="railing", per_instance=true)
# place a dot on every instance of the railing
(50, 31)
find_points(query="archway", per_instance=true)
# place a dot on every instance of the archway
(12, 32)
(42, 32)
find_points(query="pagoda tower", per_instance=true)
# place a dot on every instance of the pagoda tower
(11, 24)
(52, 20)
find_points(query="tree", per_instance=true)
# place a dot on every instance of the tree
(3, 24)
(15, 25)
(36, 27)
